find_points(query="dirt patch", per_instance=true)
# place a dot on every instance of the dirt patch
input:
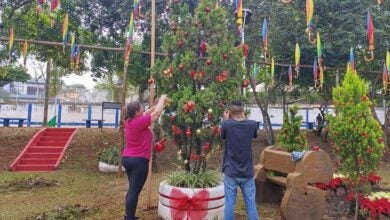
(26, 184)
(64, 212)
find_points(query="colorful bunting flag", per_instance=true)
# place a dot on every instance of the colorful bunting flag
(352, 59)
(319, 50)
(309, 13)
(65, 32)
(297, 58)
(25, 51)
(265, 34)
(289, 75)
(53, 11)
(11, 43)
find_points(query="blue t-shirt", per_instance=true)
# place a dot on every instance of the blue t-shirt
(237, 136)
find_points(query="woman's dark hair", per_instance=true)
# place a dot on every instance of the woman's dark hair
(132, 107)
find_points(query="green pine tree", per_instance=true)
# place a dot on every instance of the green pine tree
(290, 136)
(201, 77)
(357, 135)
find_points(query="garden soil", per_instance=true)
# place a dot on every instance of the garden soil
(81, 155)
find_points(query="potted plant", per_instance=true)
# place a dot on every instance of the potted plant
(108, 159)
(204, 74)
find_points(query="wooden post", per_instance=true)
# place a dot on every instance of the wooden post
(123, 112)
(151, 101)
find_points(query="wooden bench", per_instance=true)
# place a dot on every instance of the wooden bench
(279, 179)
(88, 122)
(7, 120)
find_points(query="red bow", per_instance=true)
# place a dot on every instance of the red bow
(185, 207)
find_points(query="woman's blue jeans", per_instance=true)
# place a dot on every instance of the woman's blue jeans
(248, 189)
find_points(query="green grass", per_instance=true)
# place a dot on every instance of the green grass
(93, 190)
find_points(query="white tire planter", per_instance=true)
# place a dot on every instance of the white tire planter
(108, 168)
(192, 204)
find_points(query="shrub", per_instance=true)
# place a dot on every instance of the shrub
(109, 155)
(290, 136)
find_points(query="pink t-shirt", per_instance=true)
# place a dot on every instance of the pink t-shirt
(138, 137)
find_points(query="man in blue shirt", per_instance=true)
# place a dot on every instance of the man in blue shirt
(237, 133)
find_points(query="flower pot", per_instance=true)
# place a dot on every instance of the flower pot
(191, 203)
(109, 168)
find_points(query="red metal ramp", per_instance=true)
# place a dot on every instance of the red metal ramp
(45, 150)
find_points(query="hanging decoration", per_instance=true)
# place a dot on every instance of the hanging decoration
(53, 11)
(272, 69)
(10, 44)
(240, 17)
(315, 73)
(320, 62)
(297, 59)
(65, 32)
(309, 20)
(286, 1)
(290, 75)
(129, 39)
(25, 51)
(264, 34)
(352, 60)
(388, 61)
(385, 79)
(370, 37)
(40, 6)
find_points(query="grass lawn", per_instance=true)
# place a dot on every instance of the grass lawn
(97, 195)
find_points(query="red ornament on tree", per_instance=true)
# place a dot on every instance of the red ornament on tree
(209, 62)
(174, 27)
(207, 9)
(181, 67)
(188, 132)
(176, 1)
(150, 81)
(179, 43)
(225, 56)
(245, 83)
(173, 118)
(203, 47)
(159, 146)
(206, 147)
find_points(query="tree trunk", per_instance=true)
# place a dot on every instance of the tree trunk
(264, 112)
(47, 88)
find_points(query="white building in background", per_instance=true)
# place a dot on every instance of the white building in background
(32, 90)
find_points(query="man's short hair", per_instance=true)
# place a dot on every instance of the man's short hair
(236, 107)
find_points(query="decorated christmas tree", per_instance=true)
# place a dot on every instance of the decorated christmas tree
(357, 135)
(201, 76)
(290, 136)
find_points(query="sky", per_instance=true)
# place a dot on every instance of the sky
(37, 68)
(85, 79)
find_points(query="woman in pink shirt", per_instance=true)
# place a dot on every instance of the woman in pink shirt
(136, 155)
